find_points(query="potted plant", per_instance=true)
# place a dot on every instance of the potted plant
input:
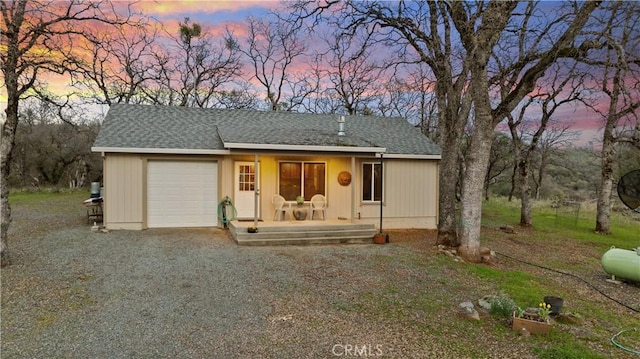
(380, 238)
(300, 213)
(534, 320)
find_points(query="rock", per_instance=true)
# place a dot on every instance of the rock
(466, 305)
(508, 229)
(484, 251)
(485, 302)
(471, 314)
(468, 311)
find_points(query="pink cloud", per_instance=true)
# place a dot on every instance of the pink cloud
(161, 7)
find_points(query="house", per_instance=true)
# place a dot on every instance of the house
(172, 166)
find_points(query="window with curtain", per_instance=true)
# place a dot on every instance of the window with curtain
(371, 182)
(301, 179)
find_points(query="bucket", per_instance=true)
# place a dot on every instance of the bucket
(95, 189)
(555, 302)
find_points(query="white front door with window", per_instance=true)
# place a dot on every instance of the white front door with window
(245, 187)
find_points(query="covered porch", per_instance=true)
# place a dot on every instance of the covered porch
(306, 232)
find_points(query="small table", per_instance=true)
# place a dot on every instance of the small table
(298, 212)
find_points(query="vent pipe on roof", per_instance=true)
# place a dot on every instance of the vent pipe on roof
(341, 126)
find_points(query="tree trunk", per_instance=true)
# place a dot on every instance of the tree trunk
(606, 183)
(513, 182)
(538, 176)
(6, 152)
(477, 161)
(9, 128)
(526, 218)
(447, 233)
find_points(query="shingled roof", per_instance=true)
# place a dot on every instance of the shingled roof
(146, 128)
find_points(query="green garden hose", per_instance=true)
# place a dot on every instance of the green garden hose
(226, 211)
(613, 340)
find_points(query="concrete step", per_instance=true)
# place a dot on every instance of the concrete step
(303, 226)
(302, 232)
(305, 241)
(306, 234)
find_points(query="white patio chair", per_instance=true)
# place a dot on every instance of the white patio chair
(318, 204)
(279, 202)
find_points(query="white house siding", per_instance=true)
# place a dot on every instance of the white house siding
(123, 191)
(410, 195)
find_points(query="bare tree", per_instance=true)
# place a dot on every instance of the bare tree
(272, 49)
(204, 67)
(499, 160)
(239, 96)
(37, 35)
(620, 85)
(353, 75)
(409, 95)
(560, 88)
(117, 67)
(428, 32)
(423, 33)
(193, 69)
(558, 134)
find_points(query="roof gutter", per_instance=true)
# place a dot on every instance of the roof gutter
(411, 156)
(169, 151)
(279, 147)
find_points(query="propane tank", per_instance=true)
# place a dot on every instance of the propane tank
(622, 263)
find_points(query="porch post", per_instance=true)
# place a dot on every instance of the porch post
(381, 189)
(256, 190)
(353, 189)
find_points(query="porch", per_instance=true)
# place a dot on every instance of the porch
(294, 232)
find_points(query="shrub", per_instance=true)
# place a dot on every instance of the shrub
(502, 306)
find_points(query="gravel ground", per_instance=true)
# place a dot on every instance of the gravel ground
(193, 293)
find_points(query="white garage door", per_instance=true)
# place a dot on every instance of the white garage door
(182, 194)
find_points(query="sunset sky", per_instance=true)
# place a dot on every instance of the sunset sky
(215, 16)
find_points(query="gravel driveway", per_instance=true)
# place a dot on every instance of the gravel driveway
(188, 293)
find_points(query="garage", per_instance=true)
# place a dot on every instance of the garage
(182, 194)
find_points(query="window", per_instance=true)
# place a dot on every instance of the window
(371, 182)
(247, 178)
(301, 179)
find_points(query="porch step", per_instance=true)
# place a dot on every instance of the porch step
(302, 233)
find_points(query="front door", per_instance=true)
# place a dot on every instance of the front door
(245, 187)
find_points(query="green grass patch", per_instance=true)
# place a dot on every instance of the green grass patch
(522, 287)
(25, 197)
(562, 224)
(571, 350)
